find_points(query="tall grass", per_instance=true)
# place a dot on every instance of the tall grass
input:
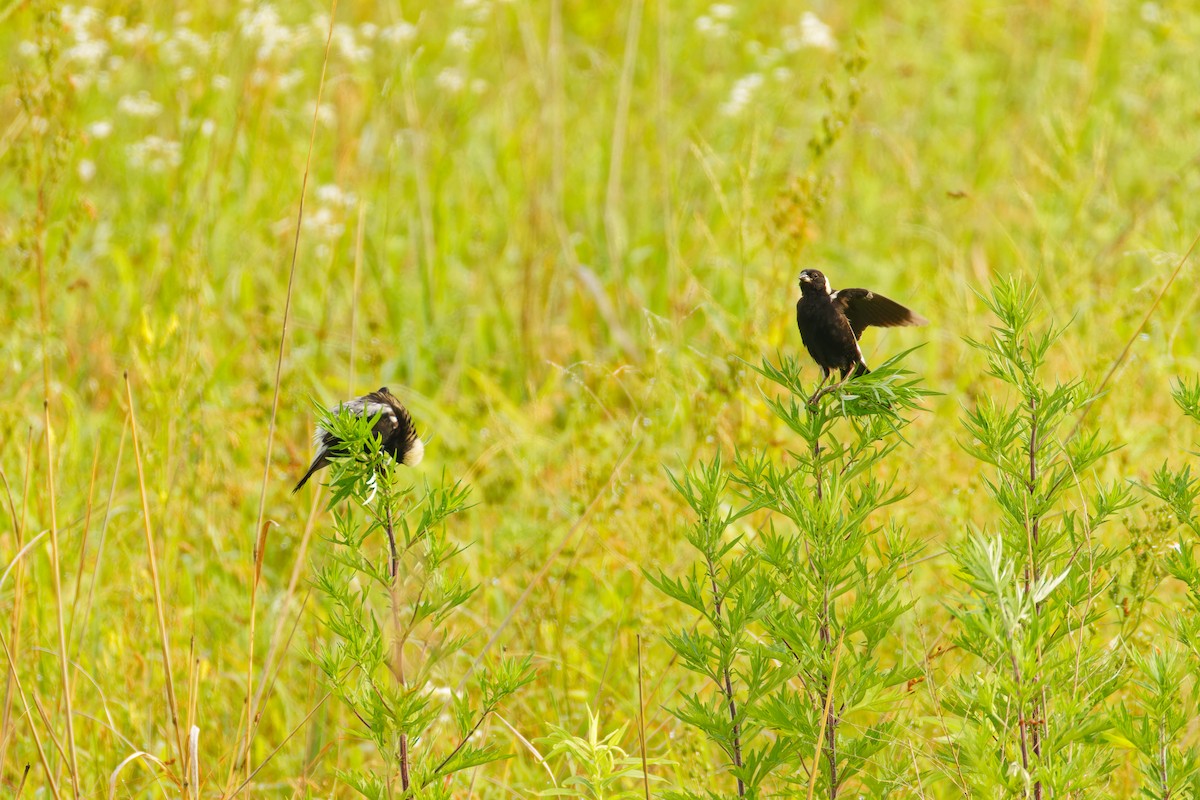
(563, 230)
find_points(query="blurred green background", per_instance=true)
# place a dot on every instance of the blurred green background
(554, 230)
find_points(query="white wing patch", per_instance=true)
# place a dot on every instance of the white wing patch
(375, 408)
(319, 439)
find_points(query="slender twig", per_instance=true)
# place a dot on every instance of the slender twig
(1133, 338)
(825, 717)
(613, 223)
(280, 746)
(461, 744)
(112, 493)
(17, 606)
(735, 737)
(37, 739)
(642, 722)
(287, 308)
(153, 561)
(570, 537)
(58, 600)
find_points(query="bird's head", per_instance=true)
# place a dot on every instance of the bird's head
(813, 280)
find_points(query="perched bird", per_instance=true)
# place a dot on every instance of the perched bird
(831, 323)
(394, 428)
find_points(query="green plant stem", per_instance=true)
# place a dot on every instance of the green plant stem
(736, 738)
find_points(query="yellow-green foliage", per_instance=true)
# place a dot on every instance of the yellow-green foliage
(555, 230)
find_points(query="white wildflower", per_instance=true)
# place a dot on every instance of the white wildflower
(712, 29)
(460, 39)
(139, 105)
(326, 116)
(332, 194)
(742, 93)
(451, 80)
(78, 20)
(264, 26)
(100, 129)
(815, 33)
(477, 9)
(290, 80)
(39, 124)
(86, 54)
(347, 44)
(722, 11)
(221, 82)
(398, 34)
(368, 30)
(137, 36)
(116, 24)
(27, 49)
(323, 224)
(87, 170)
(193, 41)
(155, 154)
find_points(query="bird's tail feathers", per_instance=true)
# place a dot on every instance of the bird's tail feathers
(316, 465)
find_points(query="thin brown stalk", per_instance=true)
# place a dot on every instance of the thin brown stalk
(826, 715)
(642, 722)
(1032, 574)
(665, 156)
(727, 687)
(281, 745)
(614, 225)
(21, 785)
(164, 642)
(55, 562)
(191, 770)
(1133, 338)
(358, 259)
(87, 526)
(269, 677)
(287, 308)
(112, 493)
(297, 568)
(37, 739)
(17, 605)
(545, 568)
(420, 163)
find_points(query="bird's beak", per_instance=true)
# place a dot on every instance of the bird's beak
(804, 277)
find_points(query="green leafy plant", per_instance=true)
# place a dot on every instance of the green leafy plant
(792, 616)
(602, 768)
(1157, 721)
(392, 616)
(1032, 715)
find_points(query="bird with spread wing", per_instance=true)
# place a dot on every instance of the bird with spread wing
(831, 323)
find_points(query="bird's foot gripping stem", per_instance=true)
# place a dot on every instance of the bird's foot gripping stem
(823, 390)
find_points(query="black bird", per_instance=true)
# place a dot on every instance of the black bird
(394, 428)
(831, 323)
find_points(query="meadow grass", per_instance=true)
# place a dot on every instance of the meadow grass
(559, 232)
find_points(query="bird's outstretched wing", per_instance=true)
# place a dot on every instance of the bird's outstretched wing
(863, 308)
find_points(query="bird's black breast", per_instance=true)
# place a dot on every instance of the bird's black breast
(826, 333)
